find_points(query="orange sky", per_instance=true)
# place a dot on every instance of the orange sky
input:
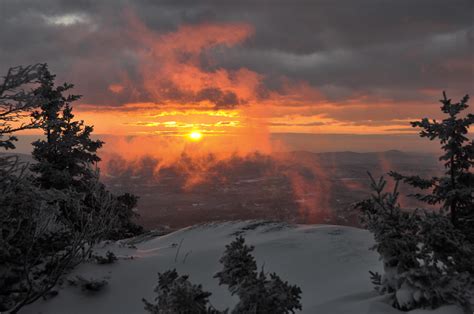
(177, 87)
(187, 97)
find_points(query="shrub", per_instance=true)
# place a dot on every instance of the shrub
(417, 251)
(38, 244)
(176, 294)
(257, 292)
(109, 258)
(89, 285)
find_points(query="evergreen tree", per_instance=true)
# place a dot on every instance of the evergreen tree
(238, 264)
(455, 190)
(67, 156)
(46, 232)
(428, 254)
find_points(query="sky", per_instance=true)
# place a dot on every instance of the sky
(247, 69)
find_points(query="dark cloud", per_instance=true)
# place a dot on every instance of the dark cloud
(382, 49)
(219, 98)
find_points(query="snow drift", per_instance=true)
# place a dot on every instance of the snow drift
(329, 263)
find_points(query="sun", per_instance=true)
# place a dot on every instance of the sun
(195, 136)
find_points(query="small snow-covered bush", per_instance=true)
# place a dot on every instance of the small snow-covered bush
(425, 258)
(176, 294)
(257, 292)
(89, 285)
(267, 295)
(109, 258)
(447, 243)
(444, 260)
(430, 286)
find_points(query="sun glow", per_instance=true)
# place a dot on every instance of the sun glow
(195, 136)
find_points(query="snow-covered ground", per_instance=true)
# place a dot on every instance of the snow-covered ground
(329, 263)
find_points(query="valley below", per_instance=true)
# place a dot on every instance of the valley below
(299, 187)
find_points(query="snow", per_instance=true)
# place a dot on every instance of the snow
(405, 296)
(329, 263)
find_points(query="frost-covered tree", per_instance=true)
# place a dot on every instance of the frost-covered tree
(257, 293)
(455, 190)
(428, 254)
(18, 100)
(65, 158)
(39, 245)
(177, 295)
(417, 272)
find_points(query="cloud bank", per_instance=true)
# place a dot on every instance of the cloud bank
(302, 66)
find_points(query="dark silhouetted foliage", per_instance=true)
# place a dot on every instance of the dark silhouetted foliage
(49, 221)
(257, 292)
(176, 294)
(455, 190)
(428, 254)
(17, 101)
(67, 156)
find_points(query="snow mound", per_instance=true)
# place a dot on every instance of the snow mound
(329, 263)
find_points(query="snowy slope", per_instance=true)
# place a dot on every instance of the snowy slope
(329, 263)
